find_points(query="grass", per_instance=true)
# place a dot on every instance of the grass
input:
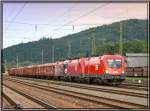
(136, 78)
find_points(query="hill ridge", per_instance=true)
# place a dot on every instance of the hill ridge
(107, 40)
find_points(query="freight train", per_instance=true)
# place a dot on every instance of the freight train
(106, 69)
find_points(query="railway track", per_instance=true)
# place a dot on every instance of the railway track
(123, 85)
(33, 99)
(103, 89)
(82, 97)
(10, 102)
(137, 85)
(96, 99)
(95, 88)
(134, 86)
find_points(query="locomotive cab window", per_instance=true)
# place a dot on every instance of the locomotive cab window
(114, 63)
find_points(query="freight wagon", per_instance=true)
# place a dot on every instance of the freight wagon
(137, 64)
(137, 71)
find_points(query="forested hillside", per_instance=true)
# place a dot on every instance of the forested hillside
(107, 41)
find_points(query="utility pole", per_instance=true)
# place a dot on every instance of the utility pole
(121, 45)
(17, 61)
(69, 49)
(42, 55)
(93, 42)
(103, 41)
(53, 53)
(6, 66)
(80, 46)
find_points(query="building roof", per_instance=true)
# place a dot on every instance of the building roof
(137, 59)
(136, 54)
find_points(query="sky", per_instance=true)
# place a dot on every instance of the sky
(24, 22)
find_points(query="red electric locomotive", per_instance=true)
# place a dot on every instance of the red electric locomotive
(105, 69)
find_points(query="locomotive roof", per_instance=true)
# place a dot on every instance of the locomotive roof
(96, 57)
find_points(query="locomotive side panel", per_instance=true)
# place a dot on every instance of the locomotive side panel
(73, 68)
(94, 64)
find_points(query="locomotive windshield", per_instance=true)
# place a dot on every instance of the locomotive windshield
(114, 63)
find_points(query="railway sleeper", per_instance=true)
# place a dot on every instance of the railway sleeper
(123, 104)
(40, 102)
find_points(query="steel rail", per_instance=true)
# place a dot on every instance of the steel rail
(103, 100)
(103, 90)
(129, 86)
(36, 100)
(96, 89)
(12, 103)
(133, 87)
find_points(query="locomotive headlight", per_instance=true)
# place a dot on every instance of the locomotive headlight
(106, 71)
(123, 72)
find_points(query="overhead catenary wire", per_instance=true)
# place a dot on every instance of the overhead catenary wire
(64, 25)
(56, 25)
(55, 20)
(48, 24)
(63, 14)
(85, 14)
(18, 13)
(25, 23)
(91, 11)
